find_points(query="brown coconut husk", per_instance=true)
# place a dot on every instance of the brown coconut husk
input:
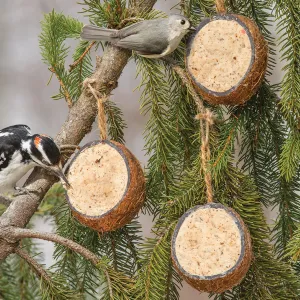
(129, 204)
(249, 84)
(217, 283)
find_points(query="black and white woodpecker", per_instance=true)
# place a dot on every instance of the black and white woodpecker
(20, 151)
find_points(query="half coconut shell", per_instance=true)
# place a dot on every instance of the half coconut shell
(211, 248)
(107, 185)
(227, 59)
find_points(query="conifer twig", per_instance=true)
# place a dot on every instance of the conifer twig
(75, 63)
(109, 285)
(127, 20)
(34, 265)
(64, 89)
(21, 233)
(224, 148)
(186, 81)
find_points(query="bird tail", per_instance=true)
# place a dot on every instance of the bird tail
(95, 33)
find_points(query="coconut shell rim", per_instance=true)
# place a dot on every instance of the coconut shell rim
(203, 24)
(178, 226)
(89, 145)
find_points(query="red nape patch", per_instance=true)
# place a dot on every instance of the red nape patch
(243, 31)
(37, 141)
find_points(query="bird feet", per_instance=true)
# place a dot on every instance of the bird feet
(24, 191)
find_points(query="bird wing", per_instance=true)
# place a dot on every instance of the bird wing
(6, 152)
(145, 26)
(20, 129)
(10, 141)
(146, 37)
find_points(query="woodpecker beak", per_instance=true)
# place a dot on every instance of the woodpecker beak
(57, 170)
(192, 28)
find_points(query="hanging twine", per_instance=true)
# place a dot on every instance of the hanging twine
(206, 120)
(101, 113)
(220, 7)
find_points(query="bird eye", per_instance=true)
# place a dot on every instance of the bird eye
(182, 22)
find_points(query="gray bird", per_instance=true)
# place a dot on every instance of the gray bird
(150, 38)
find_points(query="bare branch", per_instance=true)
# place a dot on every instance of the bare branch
(34, 265)
(21, 233)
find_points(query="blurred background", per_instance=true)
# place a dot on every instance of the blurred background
(26, 98)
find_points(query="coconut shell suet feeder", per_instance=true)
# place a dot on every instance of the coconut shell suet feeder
(107, 185)
(227, 59)
(211, 248)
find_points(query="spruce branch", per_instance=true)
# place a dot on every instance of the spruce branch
(239, 192)
(82, 56)
(197, 10)
(111, 295)
(293, 247)
(63, 87)
(115, 122)
(56, 28)
(20, 233)
(226, 146)
(37, 268)
(51, 288)
(118, 262)
(288, 16)
(16, 276)
(84, 69)
(185, 79)
(161, 135)
(156, 275)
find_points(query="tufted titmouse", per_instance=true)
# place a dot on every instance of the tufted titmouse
(150, 38)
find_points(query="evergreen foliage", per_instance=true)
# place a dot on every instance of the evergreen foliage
(288, 16)
(263, 173)
(16, 278)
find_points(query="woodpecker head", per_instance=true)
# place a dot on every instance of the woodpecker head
(44, 152)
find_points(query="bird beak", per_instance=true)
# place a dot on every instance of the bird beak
(192, 28)
(57, 170)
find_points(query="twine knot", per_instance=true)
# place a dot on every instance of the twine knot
(207, 116)
(220, 7)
